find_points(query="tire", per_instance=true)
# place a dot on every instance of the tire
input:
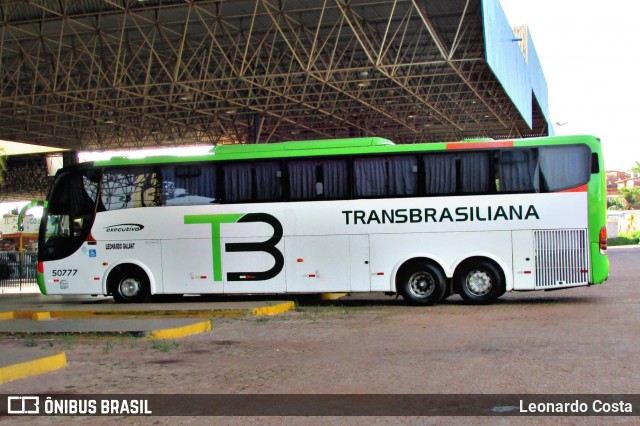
(129, 285)
(448, 292)
(421, 283)
(479, 282)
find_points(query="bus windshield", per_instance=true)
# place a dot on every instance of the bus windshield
(69, 214)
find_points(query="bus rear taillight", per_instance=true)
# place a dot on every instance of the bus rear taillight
(40, 267)
(603, 239)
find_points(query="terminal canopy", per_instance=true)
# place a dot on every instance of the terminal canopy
(105, 74)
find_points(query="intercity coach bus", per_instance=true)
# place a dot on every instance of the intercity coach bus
(475, 218)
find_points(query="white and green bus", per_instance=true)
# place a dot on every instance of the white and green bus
(348, 215)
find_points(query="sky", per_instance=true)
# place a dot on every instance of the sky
(589, 54)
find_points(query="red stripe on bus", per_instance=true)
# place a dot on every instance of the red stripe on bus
(582, 188)
(476, 145)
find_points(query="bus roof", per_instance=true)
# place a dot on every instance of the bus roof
(351, 146)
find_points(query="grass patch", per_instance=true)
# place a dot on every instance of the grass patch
(628, 239)
(67, 341)
(325, 311)
(163, 345)
(108, 346)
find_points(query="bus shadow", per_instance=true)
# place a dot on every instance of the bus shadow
(454, 301)
(368, 300)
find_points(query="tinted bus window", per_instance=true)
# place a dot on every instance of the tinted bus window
(253, 181)
(189, 185)
(318, 179)
(475, 172)
(124, 188)
(439, 173)
(518, 171)
(386, 176)
(303, 180)
(564, 167)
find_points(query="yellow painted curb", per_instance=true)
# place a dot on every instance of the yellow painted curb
(218, 313)
(332, 296)
(178, 332)
(32, 368)
(24, 314)
(6, 315)
(273, 310)
(39, 316)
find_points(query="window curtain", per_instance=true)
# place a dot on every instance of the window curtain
(564, 167)
(302, 179)
(189, 185)
(268, 181)
(403, 175)
(518, 171)
(474, 170)
(440, 173)
(237, 182)
(335, 178)
(370, 177)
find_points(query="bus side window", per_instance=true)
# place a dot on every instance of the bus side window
(393, 175)
(237, 182)
(335, 178)
(268, 181)
(189, 185)
(595, 164)
(259, 181)
(303, 180)
(318, 179)
(403, 175)
(370, 177)
(564, 167)
(124, 188)
(518, 171)
(475, 172)
(439, 173)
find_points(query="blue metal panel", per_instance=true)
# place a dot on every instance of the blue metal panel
(504, 56)
(538, 81)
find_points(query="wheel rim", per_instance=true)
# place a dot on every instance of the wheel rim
(479, 283)
(421, 285)
(129, 287)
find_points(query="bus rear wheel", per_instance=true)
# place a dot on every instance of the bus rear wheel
(421, 283)
(129, 284)
(479, 282)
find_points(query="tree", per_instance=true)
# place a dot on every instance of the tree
(636, 169)
(616, 203)
(631, 197)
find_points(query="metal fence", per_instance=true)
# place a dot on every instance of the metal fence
(18, 270)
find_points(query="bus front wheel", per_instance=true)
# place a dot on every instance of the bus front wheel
(129, 284)
(479, 281)
(421, 283)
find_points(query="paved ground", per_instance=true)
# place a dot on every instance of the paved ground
(188, 306)
(30, 316)
(578, 341)
(133, 326)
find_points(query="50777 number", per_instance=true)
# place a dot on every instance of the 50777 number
(64, 272)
